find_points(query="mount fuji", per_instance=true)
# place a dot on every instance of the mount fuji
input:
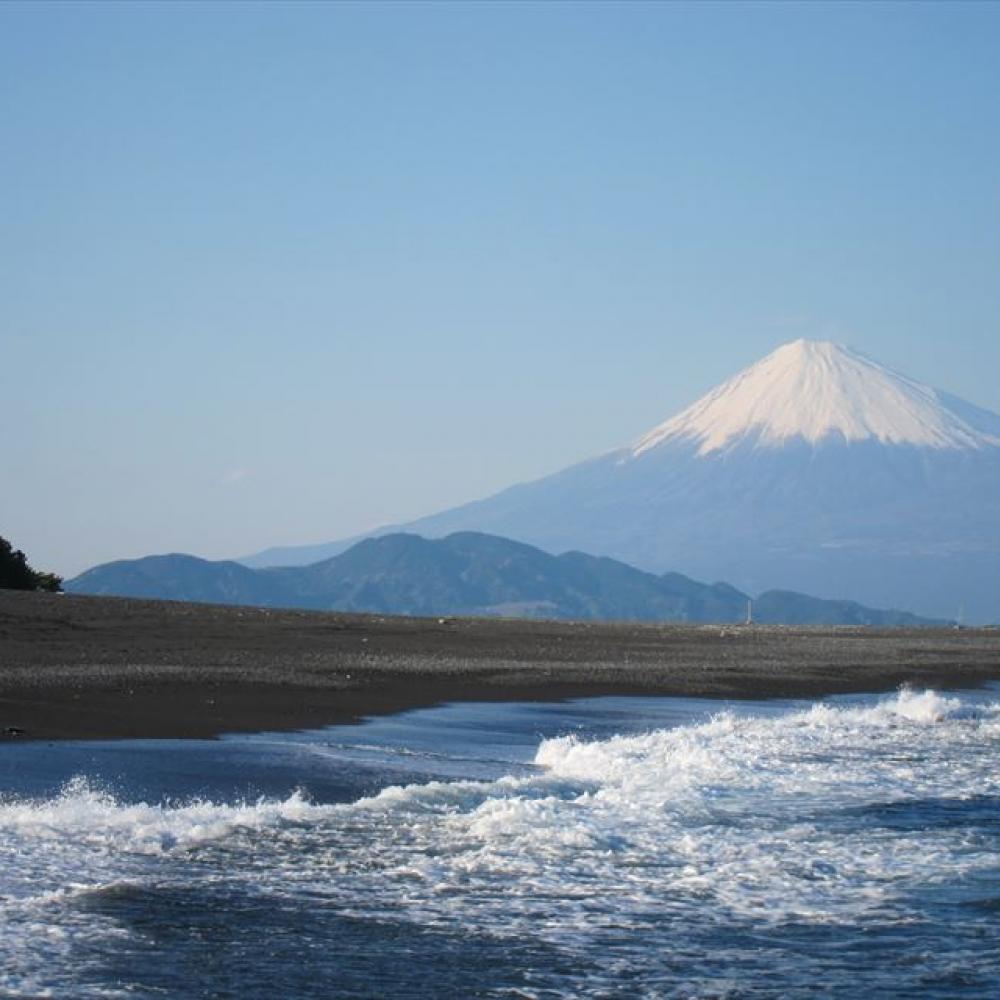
(815, 469)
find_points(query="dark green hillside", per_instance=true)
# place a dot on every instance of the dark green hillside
(467, 573)
(178, 577)
(785, 607)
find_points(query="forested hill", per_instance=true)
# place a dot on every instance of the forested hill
(469, 574)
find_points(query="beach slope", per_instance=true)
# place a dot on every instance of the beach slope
(74, 667)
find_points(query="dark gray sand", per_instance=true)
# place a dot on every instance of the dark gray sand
(76, 667)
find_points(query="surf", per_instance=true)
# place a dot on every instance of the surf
(835, 817)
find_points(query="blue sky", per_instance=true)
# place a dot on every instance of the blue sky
(280, 273)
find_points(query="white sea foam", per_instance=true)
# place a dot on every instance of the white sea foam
(759, 819)
(88, 816)
(56, 852)
(735, 811)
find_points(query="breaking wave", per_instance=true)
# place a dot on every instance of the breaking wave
(613, 853)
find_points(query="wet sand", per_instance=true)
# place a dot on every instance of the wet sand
(74, 667)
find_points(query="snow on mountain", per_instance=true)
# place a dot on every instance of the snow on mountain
(816, 390)
(816, 470)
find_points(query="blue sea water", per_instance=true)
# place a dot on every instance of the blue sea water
(613, 847)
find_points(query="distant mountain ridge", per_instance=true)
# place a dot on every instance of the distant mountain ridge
(816, 469)
(469, 573)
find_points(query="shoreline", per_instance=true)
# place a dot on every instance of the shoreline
(76, 667)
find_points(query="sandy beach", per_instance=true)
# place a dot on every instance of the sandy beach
(105, 668)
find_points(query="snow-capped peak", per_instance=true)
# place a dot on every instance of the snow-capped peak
(815, 390)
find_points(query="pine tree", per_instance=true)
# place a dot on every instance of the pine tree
(16, 574)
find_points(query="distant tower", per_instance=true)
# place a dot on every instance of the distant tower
(749, 620)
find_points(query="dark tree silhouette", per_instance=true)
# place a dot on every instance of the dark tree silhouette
(16, 574)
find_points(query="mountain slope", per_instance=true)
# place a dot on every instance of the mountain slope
(175, 577)
(815, 469)
(465, 574)
(816, 391)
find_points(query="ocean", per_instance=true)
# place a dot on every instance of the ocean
(608, 847)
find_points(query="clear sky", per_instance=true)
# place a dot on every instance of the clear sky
(274, 274)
